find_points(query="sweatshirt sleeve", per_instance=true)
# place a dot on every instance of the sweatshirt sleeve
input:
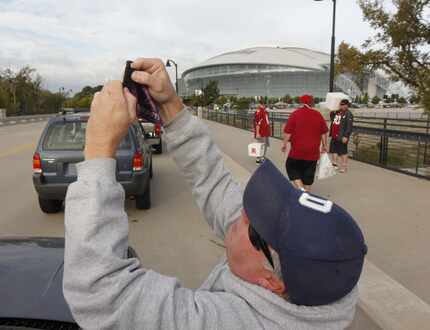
(103, 288)
(217, 194)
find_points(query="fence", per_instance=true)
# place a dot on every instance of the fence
(397, 144)
(6, 121)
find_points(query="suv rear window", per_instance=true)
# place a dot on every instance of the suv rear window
(70, 135)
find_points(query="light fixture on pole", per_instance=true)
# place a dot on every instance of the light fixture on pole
(333, 45)
(169, 64)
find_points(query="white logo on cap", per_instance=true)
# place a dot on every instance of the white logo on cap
(315, 203)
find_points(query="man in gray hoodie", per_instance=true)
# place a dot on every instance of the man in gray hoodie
(292, 259)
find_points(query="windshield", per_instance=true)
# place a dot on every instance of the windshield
(70, 135)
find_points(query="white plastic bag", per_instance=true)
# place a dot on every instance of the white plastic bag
(325, 167)
(256, 149)
(332, 102)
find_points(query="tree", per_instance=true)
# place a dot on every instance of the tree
(287, 99)
(400, 45)
(243, 103)
(376, 100)
(414, 99)
(21, 92)
(349, 61)
(402, 100)
(365, 99)
(296, 99)
(222, 100)
(210, 92)
(84, 102)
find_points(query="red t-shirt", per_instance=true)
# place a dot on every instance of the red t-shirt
(335, 126)
(262, 119)
(306, 126)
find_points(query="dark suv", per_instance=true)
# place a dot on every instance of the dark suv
(61, 146)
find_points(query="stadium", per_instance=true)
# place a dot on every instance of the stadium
(274, 72)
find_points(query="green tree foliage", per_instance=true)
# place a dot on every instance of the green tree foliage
(402, 100)
(376, 100)
(287, 99)
(400, 45)
(83, 98)
(210, 93)
(414, 99)
(365, 99)
(349, 61)
(222, 100)
(21, 93)
(243, 103)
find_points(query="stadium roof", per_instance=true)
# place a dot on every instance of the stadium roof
(285, 56)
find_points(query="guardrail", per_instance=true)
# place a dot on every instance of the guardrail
(24, 119)
(397, 144)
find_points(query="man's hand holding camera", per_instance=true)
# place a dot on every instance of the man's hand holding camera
(114, 108)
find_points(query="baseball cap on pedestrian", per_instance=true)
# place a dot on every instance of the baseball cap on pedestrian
(307, 99)
(320, 246)
(344, 102)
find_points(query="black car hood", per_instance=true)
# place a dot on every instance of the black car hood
(31, 279)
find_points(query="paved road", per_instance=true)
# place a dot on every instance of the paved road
(172, 238)
(165, 237)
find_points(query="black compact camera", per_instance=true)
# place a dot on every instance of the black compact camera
(147, 109)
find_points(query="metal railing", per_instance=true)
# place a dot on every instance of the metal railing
(15, 120)
(396, 144)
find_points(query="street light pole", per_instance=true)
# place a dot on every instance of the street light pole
(169, 64)
(333, 47)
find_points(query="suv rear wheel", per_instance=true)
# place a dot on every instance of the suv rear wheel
(151, 173)
(159, 148)
(50, 205)
(143, 202)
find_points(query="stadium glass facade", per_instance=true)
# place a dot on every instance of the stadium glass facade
(258, 80)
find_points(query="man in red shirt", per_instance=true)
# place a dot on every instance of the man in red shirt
(262, 129)
(305, 130)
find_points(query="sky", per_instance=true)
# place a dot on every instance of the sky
(82, 42)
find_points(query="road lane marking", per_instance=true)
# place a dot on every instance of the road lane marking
(17, 149)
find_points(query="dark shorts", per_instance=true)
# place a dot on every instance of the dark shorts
(304, 170)
(339, 148)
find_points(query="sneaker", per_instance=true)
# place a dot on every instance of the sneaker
(258, 161)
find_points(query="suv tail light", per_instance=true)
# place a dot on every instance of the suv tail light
(157, 129)
(37, 163)
(137, 161)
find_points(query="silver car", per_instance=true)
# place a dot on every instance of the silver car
(61, 146)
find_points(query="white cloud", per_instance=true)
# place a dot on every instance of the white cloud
(73, 43)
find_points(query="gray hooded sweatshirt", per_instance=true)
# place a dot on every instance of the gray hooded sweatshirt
(105, 290)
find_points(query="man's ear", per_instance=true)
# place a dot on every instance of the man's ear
(271, 282)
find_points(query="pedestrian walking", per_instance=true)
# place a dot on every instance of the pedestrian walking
(262, 129)
(305, 130)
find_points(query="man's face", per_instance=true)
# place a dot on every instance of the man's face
(244, 260)
(344, 107)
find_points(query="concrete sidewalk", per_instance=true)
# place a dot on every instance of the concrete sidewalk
(384, 303)
(392, 208)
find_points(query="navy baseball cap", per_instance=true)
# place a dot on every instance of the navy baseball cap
(320, 246)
